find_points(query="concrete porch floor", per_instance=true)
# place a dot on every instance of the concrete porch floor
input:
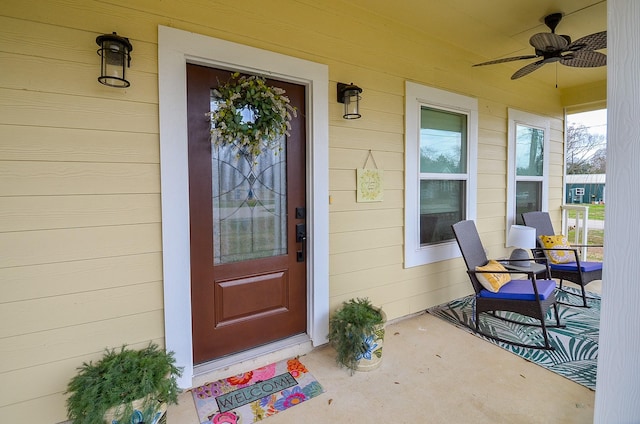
(432, 372)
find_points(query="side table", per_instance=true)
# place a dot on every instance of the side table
(534, 267)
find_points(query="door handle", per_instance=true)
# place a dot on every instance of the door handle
(301, 237)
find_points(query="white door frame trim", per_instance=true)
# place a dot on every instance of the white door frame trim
(176, 48)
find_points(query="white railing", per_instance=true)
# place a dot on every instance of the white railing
(581, 223)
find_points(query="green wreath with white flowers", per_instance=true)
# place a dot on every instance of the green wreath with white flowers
(250, 115)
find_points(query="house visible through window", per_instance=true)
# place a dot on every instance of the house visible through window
(441, 143)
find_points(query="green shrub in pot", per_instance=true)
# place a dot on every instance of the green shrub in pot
(356, 331)
(128, 386)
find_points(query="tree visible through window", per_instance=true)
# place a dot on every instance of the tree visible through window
(586, 142)
(528, 165)
(529, 169)
(443, 173)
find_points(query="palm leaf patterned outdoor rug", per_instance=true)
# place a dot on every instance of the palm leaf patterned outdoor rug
(576, 346)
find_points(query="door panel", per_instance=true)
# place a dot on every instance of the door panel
(248, 283)
(251, 296)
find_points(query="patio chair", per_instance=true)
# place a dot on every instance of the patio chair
(531, 297)
(571, 267)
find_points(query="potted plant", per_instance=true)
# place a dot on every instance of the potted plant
(124, 386)
(356, 331)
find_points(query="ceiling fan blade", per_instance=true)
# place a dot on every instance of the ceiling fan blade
(506, 59)
(594, 41)
(527, 69)
(584, 59)
(548, 41)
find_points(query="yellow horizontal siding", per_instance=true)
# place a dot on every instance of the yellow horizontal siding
(491, 209)
(35, 29)
(346, 201)
(49, 246)
(46, 409)
(387, 282)
(354, 241)
(63, 278)
(362, 259)
(352, 159)
(492, 180)
(421, 302)
(361, 280)
(491, 123)
(19, 107)
(47, 144)
(372, 120)
(492, 166)
(487, 137)
(74, 309)
(44, 347)
(488, 195)
(492, 152)
(389, 274)
(491, 222)
(410, 297)
(79, 169)
(61, 76)
(345, 179)
(364, 220)
(21, 213)
(60, 178)
(363, 139)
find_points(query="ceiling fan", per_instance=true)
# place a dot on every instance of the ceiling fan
(551, 47)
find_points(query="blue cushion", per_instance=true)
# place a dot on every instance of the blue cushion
(522, 290)
(573, 266)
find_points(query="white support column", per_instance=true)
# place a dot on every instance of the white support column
(618, 383)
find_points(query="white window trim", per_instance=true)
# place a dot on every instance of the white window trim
(417, 95)
(530, 120)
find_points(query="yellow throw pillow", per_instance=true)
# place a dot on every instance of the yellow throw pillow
(557, 242)
(492, 282)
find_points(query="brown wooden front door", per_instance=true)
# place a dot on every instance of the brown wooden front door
(248, 259)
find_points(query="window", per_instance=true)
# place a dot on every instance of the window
(440, 177)
(528, 165)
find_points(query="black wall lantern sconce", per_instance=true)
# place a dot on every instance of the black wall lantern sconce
(115, 54)
(349, 94)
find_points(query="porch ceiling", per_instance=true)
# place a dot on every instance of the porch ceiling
(494, 29)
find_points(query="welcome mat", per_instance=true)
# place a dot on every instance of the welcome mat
(255, 395)
(576, 346)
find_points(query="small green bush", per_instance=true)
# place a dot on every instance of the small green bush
(119, 378)
(349, 326)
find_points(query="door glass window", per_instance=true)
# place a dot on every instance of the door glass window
(249, 202)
